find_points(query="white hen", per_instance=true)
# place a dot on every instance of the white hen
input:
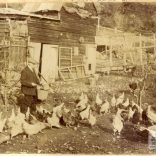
(20, 116)
(134, 104)
(82, 104)
(31, 129)
(85, 113)
(58, 110)
(98, 100)
(27, 114)
(151, 114)
(15, 130)
(54, 121)
(39, 109)
(113, 101)
(10, 120)
(151, 130)
(2, 124)
(130, 113)
(0, 115)
(105, 107)
(120, 99)
(118, 122)
(91, 119)
(85, 99)
(81, 96)
(126, 103)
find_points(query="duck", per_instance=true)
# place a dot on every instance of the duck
(85, 113)
(98, 100)
(105, 107)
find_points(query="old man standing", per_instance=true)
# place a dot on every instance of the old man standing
(29, 83)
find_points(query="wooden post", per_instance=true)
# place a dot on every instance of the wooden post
(59, 51)
(141, 53)
(124, 50)
(6, 61)
(28, 46)
(6, 4)
(71, 57)
(110, 53)
(154, 44)
(124, 57)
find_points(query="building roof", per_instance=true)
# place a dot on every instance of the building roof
(36, 7)
(10, 11)
(75, 7)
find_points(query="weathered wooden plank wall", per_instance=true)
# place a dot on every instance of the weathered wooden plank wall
(66, 32)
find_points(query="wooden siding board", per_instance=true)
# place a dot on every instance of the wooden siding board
(64, 27)
(55, 37)
(67, 32)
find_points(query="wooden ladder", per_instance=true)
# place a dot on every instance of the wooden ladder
(69, 70)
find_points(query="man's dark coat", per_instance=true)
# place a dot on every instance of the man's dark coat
(27, 78)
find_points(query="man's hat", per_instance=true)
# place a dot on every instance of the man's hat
(31, 60)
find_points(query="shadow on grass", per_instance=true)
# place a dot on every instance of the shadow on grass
(132, 134)
(105, 129)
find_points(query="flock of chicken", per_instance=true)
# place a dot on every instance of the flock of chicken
(121, 109)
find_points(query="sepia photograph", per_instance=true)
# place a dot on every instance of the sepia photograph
(77, 77)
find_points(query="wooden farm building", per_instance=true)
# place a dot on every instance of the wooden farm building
(14, 40)
(14, 45)
(61, 37)
(65, 45)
